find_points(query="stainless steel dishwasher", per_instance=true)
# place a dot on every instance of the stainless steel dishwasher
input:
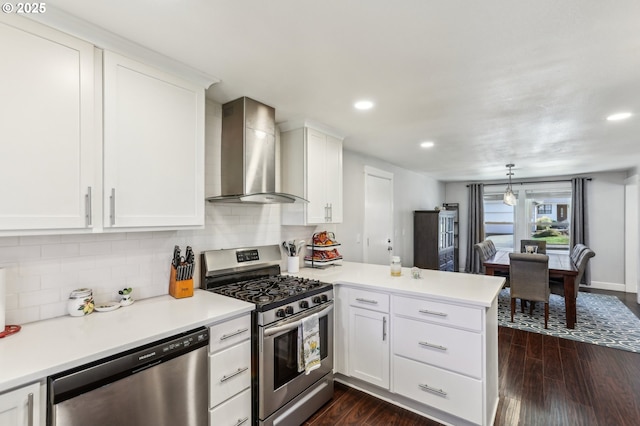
(162, 383)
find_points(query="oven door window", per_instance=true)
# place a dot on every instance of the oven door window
(286, 352)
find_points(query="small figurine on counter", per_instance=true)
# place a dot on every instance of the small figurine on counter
(125, 296)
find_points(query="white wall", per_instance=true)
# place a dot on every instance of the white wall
(411, 191)
(606, 202)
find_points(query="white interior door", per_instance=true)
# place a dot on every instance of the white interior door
(378, 216)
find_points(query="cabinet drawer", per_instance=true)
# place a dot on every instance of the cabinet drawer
(369, 300)
(234, 412)
(229, 333)
(444, 390)
(450, 348)
(443, 313)
(229, 372)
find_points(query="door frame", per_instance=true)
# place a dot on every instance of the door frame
(378, 173)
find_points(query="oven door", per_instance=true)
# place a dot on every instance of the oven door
(279, 380)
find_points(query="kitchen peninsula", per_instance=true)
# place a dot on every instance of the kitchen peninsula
(428, 344)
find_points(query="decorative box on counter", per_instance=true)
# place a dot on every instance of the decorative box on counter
(181, 279)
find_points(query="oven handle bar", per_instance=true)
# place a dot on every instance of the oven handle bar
(321, 310)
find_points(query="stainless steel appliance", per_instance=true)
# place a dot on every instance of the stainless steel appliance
(281, 394)
(248, 150)
(160, 384)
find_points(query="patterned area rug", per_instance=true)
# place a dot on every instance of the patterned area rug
(602, 320)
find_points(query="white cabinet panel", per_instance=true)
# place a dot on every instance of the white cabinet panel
(312, 169)
(445, 347)
(235, 412)
(48, 150)
(369, 300)
(229, 372)
(369, 346)
(438, 312)
(229, 333)
(153, 147)
(444, 390)
(20, 405)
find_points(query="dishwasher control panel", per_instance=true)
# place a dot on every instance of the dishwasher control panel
(173, 347)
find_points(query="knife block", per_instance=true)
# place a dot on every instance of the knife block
(180, 289)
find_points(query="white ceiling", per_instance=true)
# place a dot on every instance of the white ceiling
(490, 82)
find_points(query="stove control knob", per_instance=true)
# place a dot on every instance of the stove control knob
(280, 313)
(288, 310)
(304, 304)
(316, 299)
(324, 297)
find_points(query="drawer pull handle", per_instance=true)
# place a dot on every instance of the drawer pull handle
(431, 345)
(235, 333)
(426, 311)
(434, 390)
(241, 421)
(384, 328)
(373, 302)
(234, 374)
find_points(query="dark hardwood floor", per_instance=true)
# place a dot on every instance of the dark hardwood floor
(544, 380)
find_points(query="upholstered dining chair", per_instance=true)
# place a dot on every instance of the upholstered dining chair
(485, 249)
(583, 254)
(540, 244)
(529, 280)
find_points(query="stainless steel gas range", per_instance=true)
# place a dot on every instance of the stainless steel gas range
(282, 394)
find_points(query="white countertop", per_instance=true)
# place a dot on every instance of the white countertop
(478, 290)
(50, 346)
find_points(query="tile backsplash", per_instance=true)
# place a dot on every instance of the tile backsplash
(42, 270)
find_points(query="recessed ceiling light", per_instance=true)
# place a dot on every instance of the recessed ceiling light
(619, 116)
(363, 105)
(427, 144)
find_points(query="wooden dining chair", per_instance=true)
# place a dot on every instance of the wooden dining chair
(529, 280)
(540, 244)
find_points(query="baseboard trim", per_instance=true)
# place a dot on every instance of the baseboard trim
(606, 286)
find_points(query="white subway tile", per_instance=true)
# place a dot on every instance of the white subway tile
(23, 315)
(9, 241)
(37, 298)
(97, 248)
(59, 250)
(40, 267)
(40, 240)
(19, 253)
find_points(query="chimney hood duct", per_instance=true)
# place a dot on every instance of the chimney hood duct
(248, 155)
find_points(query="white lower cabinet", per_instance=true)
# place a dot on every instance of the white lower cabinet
(369, 346)
(235, 412)
(431, 355)
(450, 392)
(21, 407)
(230, 372)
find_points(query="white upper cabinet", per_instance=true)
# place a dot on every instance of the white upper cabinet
(48, 149)
(312, 169)
(153, 147)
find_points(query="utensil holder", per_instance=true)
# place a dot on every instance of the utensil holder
(293, 264)
(182, 288)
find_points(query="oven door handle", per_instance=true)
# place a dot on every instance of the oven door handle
(296, 323)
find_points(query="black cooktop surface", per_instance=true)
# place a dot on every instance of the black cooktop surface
(270, 292)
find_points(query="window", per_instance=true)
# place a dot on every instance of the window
(544, 209)
(542, 213)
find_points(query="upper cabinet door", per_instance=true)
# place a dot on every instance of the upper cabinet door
(153, 147)
(48, 143)
(333, 178)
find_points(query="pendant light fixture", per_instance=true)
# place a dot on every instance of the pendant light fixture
(509, 197)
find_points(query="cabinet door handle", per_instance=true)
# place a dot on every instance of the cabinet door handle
(241, 421)
(87, 207)
(234, 374)
(373, 302)
(30, 409)
(432, 345)
(426, 311)
(235, 333)
(330, 212)
(434, 390)
(384, 328)
(112, 206)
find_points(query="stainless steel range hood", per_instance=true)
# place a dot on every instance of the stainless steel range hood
(248, 155)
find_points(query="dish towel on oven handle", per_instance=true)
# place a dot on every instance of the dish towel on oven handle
(309, 344)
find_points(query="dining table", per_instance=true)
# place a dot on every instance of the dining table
(560, 266)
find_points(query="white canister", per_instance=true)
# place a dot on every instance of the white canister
(80, 302)
(293, 264)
